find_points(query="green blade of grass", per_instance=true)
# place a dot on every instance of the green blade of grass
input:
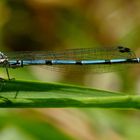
(36, 94)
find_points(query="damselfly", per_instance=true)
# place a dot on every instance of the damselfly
(95, 58)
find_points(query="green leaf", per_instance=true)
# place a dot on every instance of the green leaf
(36, 94)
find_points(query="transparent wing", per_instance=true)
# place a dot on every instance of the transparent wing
(78, 54)
(74, 54)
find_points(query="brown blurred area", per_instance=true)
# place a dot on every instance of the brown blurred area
(59, 24)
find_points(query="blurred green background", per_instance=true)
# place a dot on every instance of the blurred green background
(57, 25)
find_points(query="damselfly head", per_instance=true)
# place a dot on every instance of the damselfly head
(2, 56)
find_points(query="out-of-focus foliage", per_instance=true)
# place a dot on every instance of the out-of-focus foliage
(60, 24)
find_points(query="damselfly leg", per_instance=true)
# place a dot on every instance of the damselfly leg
(7, 72)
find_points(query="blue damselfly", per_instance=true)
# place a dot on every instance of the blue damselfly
(81, 58)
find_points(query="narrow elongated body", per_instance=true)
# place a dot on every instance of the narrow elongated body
(74, 57)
